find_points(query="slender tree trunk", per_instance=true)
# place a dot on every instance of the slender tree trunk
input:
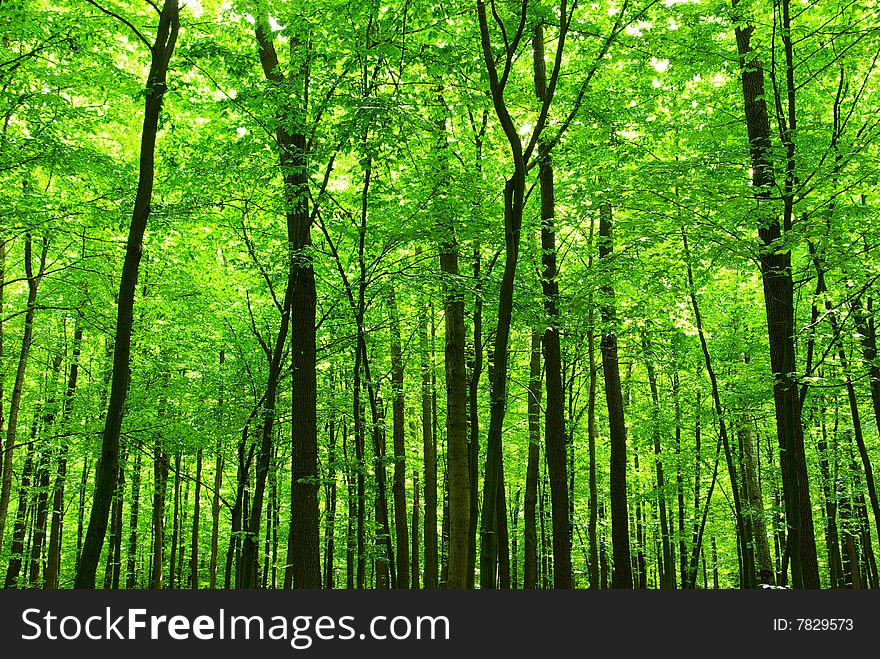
(53, 561)
(398, 487)
(194, 548)
(304, 545)
(476, 369)
(33, 283)
(161, 51)
(160, 480)
(175, 525)
(746, 575)
(668, 574)
(41, 506)
(641, 569)
(829, 493)
(429, 451)
(622, 573)
(514, 540)
(755, 499)
(414, 561)
(134, 514)
(503, 541)
(19, 529)
(330, 507)
(218, 483)
(530, 546)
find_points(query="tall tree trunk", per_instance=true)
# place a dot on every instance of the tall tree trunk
(622, 572)
(108, 465)
(175, 525)
(398, 486)
(53, 561)
(530, 546)
(668, 574)
(19, 529)
(429, 451)
(160, 480)
(457, 457)
(304, 544)
(514, 202)
(330, 507)
(33, 283)
(218, 483)
(476, 370)
(755, 501)
(194, 545)
(134, 514)
(414, 561)
(554, 411)
(778, 287)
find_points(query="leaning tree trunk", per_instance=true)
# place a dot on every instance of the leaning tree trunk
(108, 465)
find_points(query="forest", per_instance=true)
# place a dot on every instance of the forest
(497, 294)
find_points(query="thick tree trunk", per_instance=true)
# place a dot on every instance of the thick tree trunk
(53, 561)
(779, 305)
(456, 420)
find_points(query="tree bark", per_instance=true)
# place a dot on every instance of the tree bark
(53, 561)
(33, 283)
(398, 486)
(622, 571)
(530, 500)
(779, 305)
(108, 465)
(429, 451)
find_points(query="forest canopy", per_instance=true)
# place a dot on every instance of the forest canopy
(403, 294)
